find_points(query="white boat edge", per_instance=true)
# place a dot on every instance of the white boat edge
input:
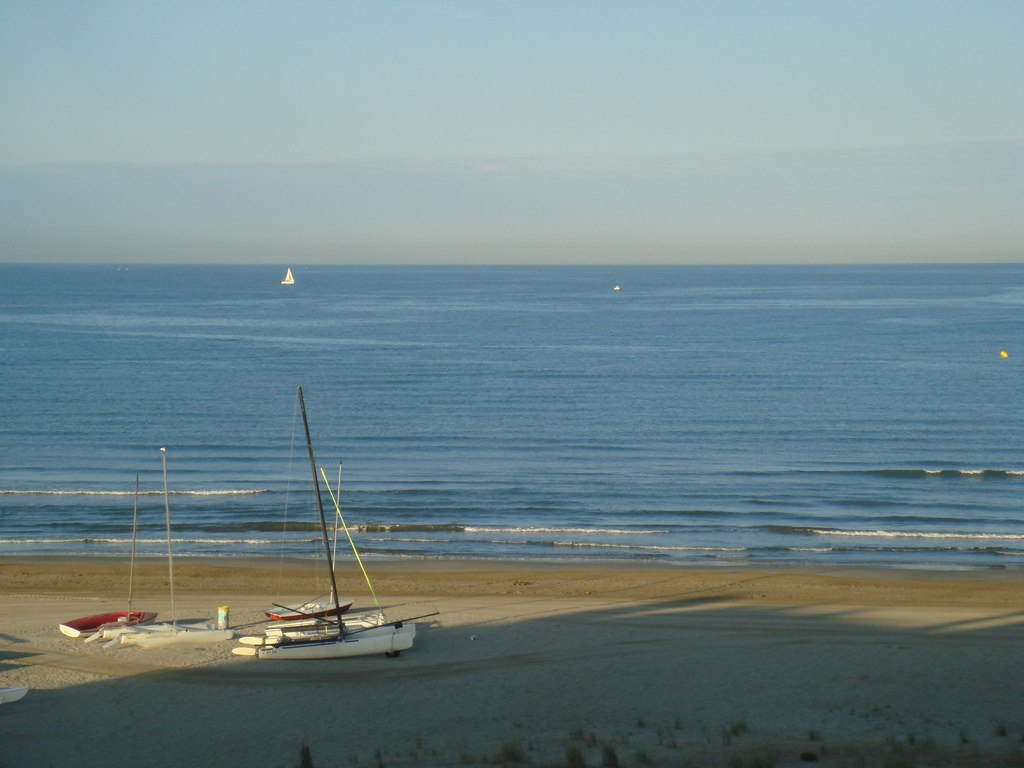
(11, 695)
(167, 634)
(313, 630)
(305, 612)
(389, 640)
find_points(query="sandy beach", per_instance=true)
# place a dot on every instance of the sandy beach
(528, 664)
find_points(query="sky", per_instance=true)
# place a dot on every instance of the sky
(451, 132)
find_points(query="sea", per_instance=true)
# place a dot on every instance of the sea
(681, 415)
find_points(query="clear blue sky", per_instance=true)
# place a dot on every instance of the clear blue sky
(501, 132)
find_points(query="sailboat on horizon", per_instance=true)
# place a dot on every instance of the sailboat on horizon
(289, 278)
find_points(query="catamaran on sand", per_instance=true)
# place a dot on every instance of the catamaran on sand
(330, 636)
(112, 623)
(148, 636)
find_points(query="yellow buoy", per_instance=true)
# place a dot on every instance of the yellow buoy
(1004, 353)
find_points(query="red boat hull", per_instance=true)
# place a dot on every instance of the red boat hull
(308, 611)
(87, 625)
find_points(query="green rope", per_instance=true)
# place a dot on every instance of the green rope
(355, 551)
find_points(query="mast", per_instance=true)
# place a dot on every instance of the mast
(135, 532)
(323, 518)
(170, 557)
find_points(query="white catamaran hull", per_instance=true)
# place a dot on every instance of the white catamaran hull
(294, 636)
(279, 633)
(168, 634)
(387, 640)
(369, 621)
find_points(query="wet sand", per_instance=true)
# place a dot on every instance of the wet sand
(527, 664)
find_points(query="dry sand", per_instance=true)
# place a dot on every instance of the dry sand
(529, 664)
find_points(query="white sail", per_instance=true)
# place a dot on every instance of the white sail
(289, 279)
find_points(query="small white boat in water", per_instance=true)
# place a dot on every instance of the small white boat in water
(289, 279)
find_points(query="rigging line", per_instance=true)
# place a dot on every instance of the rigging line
(170, 557)
(319, 502)
(135, 533)
(287, 494)
(337, 509)
(334, 554)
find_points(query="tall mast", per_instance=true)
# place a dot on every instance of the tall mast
(170, 557)
(323, 518)
(135, 533)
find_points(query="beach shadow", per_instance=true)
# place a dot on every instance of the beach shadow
(8, 655)
(663, 679)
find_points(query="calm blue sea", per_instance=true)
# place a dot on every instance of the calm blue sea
(698, 415)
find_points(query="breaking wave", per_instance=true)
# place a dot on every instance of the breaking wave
(230, 492)
(889, 534)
